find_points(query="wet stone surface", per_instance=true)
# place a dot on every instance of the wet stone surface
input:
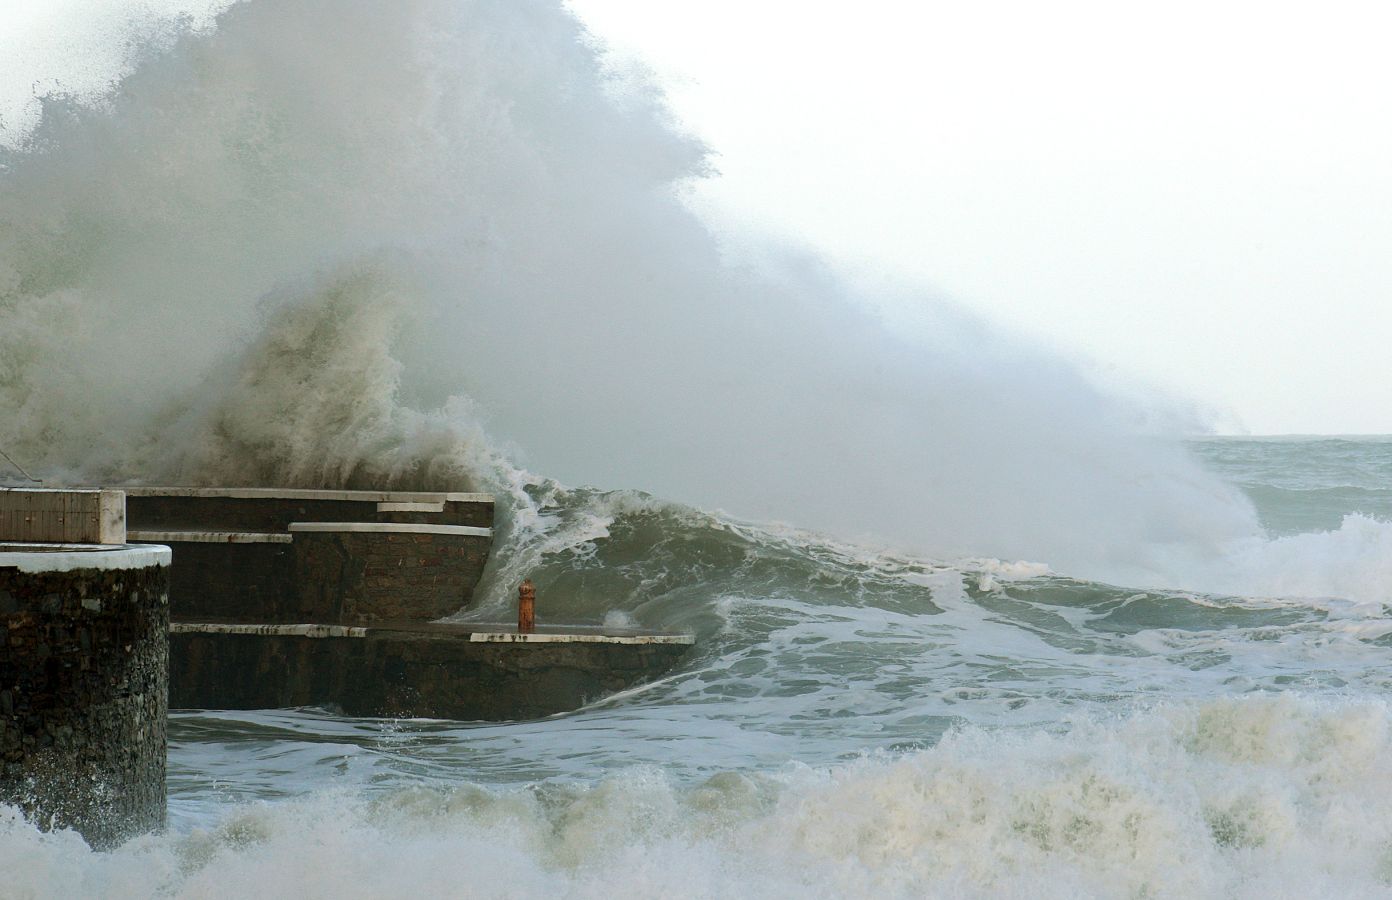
(83, 697)
(432, 671)
(360, 578)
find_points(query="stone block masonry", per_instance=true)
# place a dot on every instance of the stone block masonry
(434, 670)
(253, 582)
(84, 686)
(262, 555)
(273, 509)
(323, 597)
(365, 573)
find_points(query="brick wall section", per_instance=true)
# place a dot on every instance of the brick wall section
(358, 578)
(83, 689)
(404, 674)
(274, 514)
(233, 582)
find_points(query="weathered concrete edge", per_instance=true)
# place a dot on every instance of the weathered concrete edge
(391, 527)
(211, 537)
(305, 630)
(103, 557)
(505, 637)
(298, 494)
(309, 630)
(398, 506)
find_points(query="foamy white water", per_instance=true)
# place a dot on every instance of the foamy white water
(1007, 646)
(1258, 797)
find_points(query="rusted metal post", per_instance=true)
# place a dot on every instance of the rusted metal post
(526, 607)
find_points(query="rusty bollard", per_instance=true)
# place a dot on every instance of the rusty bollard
(526, 607)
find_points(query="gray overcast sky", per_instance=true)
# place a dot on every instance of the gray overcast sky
(1197, 196)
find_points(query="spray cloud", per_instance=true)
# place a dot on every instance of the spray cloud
(354, 244)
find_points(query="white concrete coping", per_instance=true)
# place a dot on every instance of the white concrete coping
(211, 537)
(312, 631)
(581, 635)
(392, 527)
(515, 637)
(412, 507)
(298, 494)
(70, 557)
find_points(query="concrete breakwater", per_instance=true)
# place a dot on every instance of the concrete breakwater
(427, 670)
(83, 686)
(268, 599)
(295, 556)
(312, 597)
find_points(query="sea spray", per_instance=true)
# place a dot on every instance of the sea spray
(428, 245)
(475, 158)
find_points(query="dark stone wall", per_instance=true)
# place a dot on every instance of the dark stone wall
(271, 514)
(232, 582)
(83, 691)
(430, 672)
(342, 577)
(359, 578)
(334, 577)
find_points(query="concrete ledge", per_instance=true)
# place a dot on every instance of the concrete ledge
(572, 637)
(390, 528)
(72, 557)
(297, 494)
(411, 507)
(481, 634)
(309, 631)
(210, 537)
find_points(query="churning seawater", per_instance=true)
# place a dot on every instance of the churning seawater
(418, 244)
(851, 723)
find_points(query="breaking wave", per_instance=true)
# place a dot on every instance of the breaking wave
(329, 244)
(1257, 797)
(442, 245)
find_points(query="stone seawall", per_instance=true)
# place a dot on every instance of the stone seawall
(432, 670)
(253, 582)
(384, 573)
(320, 597)
(286, 556)
(84, 687)
(268, 509)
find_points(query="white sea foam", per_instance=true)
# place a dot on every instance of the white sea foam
(1353, 562)
(426, 244)
(1273, 796)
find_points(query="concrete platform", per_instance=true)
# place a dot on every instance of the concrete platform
(412, 669)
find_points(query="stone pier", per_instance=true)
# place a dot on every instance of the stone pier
(284, 597)
(83, 674)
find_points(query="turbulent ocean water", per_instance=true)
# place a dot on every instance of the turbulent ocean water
(851, 723)
(968, 625)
